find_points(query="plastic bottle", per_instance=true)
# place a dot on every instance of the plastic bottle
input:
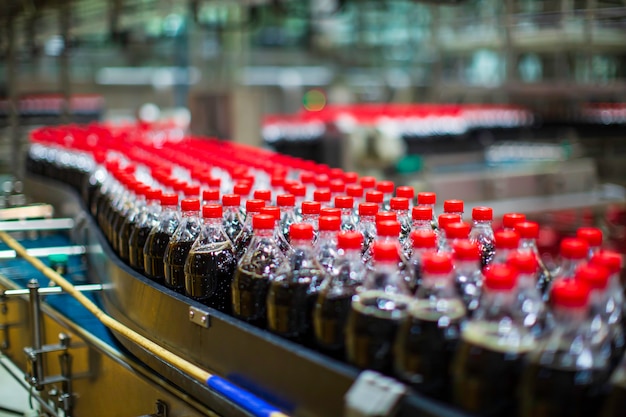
(300, 192)
(367, 224)
(265, 195)
(128, 221)
(573, 253)
(337, 187)
(254, 271)
(467, 273)
(454, 207)
(310, 214)
(211, 196)
(602, 308)
(294, 290)
(482, 233)
(273, 211)
(287, 203)
(613, 262)
(455, 232)
(423, 242)
(507, 242)
(530, 301)
(356, 192)
(443, 221)
(211, 263)
(387, 188)
(421, 217)
(404, 191)
(346, 205)
(400, 206)
(529, 233)
(335, 296)
(375, 197)
(242, 241)
(325, 248)
(233, 220)
(564, 376)
(242, 189)
(487, 365)
(368, 183)
(377, 311)
(428, 338)
(322, 196)
(429, 199)
(139, 232)
(593, 237)
(180, 244)
(159, 238)
(509, 220)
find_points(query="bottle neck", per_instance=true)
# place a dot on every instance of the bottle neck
(213, 222)
(352, 256)
(422, 225)
(327, 236)
(439, 285)
(264, 233)
(526, 281)
(482, 228)
(570, 319)
(528, 244)
(569, 266)
(191, 213)
(301, 244)
(466, 267)
(367, 219)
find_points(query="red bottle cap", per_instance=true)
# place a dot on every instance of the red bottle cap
(527, 230)
(231, 200)
(458, 230)
(465, 250)
(354, 190)
(263, 222)
(335, 173)
(212, 194)
(349, 240)
(382, 216)
(153, 194)
(337, 186)
(368, 209)
(350, 177)
(254, 206)
(298, 190)
(322, 196)
(506, 239)
(592, 235)
(500, 278)
(385, 187)
(307, 177)
(301, 231)
(215, 182)
(190, 204)
(212, 211)
(424, 213)
(509, 220)
(388, 228)
(272, 211)
(405, 191)
(426, 198)
(609, 259)
(424, 239)
(574, 248)
(596, 277)
(368, 182)
(286, 200)
(344, 202)
(322, 181)
(453, 206)
(385, 252)
(437, 263)
(399, 203)
(523, 262)
(330, 211)
(311, 207)
(277, 181)
(192, 190)
(569, 293)
(169, 199)
(330, 223)
(242, 188)
(265, 195)
(447, 218)
(482, 213)
(374, 197)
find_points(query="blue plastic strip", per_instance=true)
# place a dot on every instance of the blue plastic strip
(244, 399)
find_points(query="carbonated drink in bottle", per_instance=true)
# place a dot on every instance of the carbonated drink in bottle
(180, 244)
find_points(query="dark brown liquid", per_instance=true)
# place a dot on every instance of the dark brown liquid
(330, 318)
(485, 377)
(208, 277)
(487, 249)
(249, 294)
(153, 253)
(136, 242)
(555, 392)
(372, 326)
(124, 237)
(175, 257)
(615, 402)
(232, 229)
(425, 346)
(242, 242)
(290, 304)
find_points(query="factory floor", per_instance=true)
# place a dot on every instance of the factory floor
(12, 396)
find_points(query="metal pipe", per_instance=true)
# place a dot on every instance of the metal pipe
(51, 290)
(43, 252)
(35, 313)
